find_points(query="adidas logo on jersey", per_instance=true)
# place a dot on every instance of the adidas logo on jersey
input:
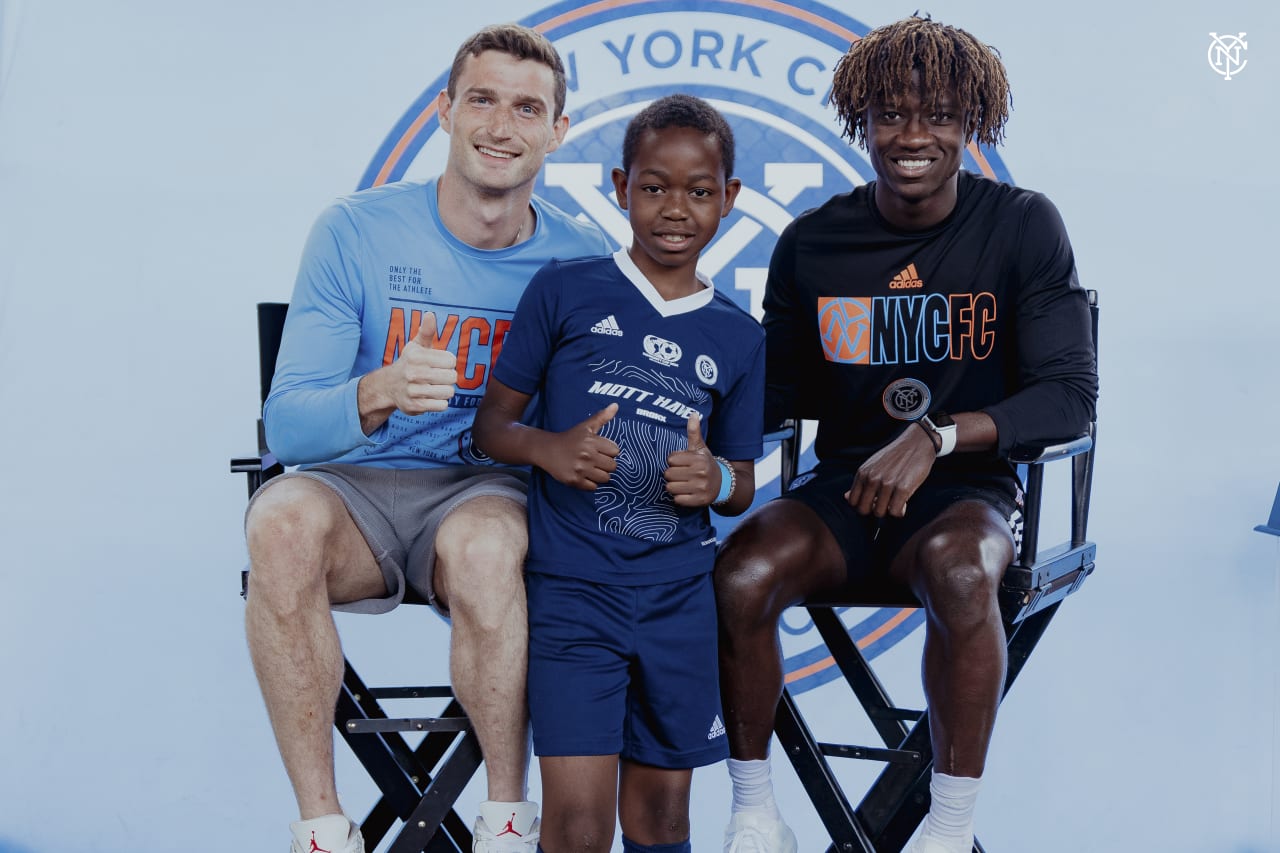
(607, 326)
(717, 729)
(908, 279)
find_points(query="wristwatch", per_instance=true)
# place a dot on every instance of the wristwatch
(945, 427)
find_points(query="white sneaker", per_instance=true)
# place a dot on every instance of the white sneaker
(518, 828)
(758, 831)
(332, 833)
(922, 841)
(928, 845)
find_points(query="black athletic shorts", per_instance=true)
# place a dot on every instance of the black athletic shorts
(870, 544)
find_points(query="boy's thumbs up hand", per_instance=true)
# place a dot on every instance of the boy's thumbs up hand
(693, 431)
(692, 475)
(583, 458)
(596, 422)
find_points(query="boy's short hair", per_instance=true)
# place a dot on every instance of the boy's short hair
(679, 111)
(878, 68)
(514, 40)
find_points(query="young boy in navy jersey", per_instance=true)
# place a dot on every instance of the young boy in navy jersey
(651, 388)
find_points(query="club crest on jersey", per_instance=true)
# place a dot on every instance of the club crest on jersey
(767, 67)
(705, 367)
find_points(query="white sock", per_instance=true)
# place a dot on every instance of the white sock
(330, 831)
(950, 817)
(752, 785)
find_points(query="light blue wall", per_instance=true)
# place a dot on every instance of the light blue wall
(160, 164)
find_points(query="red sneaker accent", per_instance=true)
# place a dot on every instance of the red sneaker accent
(510, 829)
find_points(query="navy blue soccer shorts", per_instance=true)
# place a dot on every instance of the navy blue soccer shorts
(625, 670)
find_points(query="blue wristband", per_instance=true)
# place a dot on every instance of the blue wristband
(726, 482)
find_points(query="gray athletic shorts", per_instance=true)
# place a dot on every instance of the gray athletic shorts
(399, 511)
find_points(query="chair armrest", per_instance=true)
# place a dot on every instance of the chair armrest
(783, 431)
(257, 469)
(1037, 453)
(247, 464)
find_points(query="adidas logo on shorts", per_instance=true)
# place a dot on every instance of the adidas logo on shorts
(607, 326)
(717, 729)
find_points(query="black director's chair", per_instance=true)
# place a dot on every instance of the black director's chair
(1030, 594)
(418, 785)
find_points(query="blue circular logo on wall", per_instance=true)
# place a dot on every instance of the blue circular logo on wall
(767, 67)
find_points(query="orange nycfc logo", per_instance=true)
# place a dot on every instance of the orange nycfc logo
(844, 323)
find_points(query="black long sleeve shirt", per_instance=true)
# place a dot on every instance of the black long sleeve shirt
(868, 326)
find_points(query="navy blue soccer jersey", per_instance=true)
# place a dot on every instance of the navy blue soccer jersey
(594, 331)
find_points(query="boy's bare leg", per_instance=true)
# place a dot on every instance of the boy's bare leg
(579, 801)
(305, 551)
(654, 804)
(479, 575)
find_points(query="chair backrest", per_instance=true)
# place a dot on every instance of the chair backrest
(270, 329)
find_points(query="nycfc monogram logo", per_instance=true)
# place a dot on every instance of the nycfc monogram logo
(767, 66)
(1226, 54)
(906, 399)
(706, 369)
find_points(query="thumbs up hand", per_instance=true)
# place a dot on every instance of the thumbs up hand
(692, 475)
(580, 456)
(424, 376)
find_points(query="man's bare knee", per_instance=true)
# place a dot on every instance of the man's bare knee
(959, 577)
(480, 551)
(773, 560)
(300, 535)
(748, 584)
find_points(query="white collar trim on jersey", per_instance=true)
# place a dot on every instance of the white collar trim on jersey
(667, 308)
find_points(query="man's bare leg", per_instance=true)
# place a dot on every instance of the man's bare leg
(778, 556)
(954, 565)
(774, 559)
(479, 575)
(304, 551)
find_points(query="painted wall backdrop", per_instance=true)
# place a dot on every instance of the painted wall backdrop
(160, 165)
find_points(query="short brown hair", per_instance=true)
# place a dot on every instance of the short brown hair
(513, 40)
(878, 67)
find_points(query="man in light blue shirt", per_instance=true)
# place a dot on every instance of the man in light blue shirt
(404, 296)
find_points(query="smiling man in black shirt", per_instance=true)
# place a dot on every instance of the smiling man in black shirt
(929, 321)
